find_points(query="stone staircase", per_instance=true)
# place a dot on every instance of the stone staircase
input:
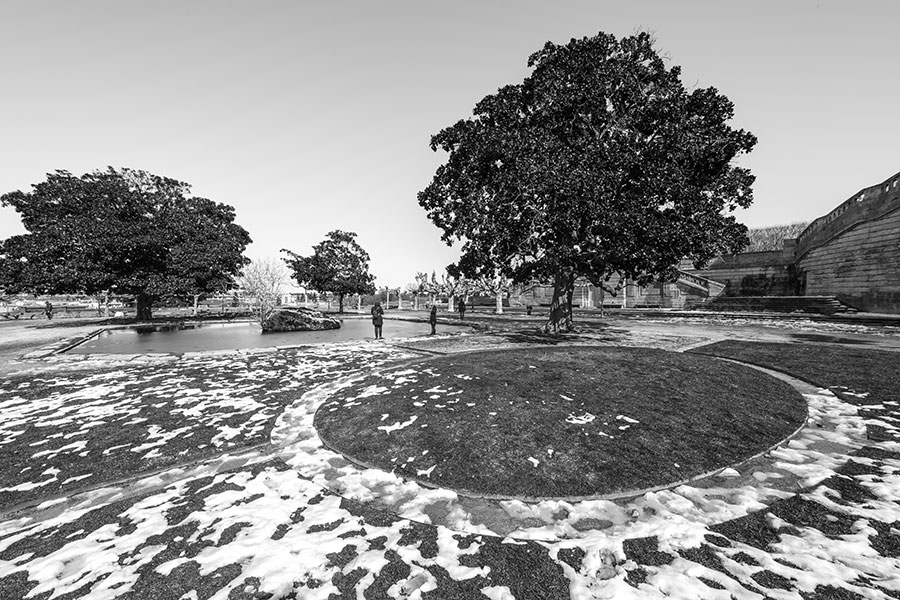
(711, 289)
(823, 305)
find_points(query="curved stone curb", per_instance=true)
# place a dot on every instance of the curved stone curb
(774, 473)
(622, 495)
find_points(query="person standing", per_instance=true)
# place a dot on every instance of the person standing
(462, 309)
(377, 318)
(432, 318)
(48, 309)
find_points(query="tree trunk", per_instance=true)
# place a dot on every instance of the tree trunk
(450, 304)
(499, 302)
(196, 302)
(340, 303)
(144, 307)
(561, 306)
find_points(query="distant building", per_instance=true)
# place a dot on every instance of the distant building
(852, 254)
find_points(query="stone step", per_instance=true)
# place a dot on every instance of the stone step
(807, 304)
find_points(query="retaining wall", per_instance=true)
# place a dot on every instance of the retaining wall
(852, 253)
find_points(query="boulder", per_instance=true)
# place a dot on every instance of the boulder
(299, 319)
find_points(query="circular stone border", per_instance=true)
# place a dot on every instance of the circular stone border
(339, 421)
(833, 431)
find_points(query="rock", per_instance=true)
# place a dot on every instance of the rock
(729, 472)
(299, 319)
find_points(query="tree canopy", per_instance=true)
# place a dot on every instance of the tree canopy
(338, 265)
(600, 162)
(125, 231)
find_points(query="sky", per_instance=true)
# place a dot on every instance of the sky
(313, 116)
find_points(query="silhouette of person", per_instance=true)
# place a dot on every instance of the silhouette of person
(377, 318)
(48, 309)
(432, 318)
(462, 308)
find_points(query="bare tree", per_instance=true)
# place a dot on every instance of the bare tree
(262, 281)
(766, 239)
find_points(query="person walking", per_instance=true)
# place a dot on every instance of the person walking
(48, 309)
(377, 318)
(432, 318)
(462, 309)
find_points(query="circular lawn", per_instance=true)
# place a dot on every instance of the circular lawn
(559, 422)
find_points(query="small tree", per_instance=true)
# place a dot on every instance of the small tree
(338, 265)
(599, 163)
(264, 280)
(454, 284)
(496, 286)
(414, 289)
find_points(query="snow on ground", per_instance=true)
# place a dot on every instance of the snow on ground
(798, 324)
(264, 528)
(101, 426)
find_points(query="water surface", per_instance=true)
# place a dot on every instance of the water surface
(235, 336)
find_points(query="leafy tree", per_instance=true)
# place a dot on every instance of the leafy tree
(124, 231)
(337, 265)
(599, 163)
(263, 280)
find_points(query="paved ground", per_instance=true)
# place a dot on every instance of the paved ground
(199, 476)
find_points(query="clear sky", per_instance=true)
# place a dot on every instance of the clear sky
(313, 116)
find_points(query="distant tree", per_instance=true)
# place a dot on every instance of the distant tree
(414, 289)
(430, 287)
(263, 281)
(599, 163)
(497, 286)
(124, 231)
(772, 238)
(337, 265)
(483, 277)
(455, 285)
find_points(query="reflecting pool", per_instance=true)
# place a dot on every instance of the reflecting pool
(199, 337)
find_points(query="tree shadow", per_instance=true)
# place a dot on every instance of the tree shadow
(538, 337)
(827, 339)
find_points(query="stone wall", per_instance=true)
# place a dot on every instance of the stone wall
(751, 273)
(853, 253)
(860, 265)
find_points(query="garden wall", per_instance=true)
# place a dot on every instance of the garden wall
(852, 253)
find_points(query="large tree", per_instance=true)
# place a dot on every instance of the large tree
(124, 231)
(338, 265)
(600, 162)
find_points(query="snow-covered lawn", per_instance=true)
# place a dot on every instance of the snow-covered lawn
(193, 524)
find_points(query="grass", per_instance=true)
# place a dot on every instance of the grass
(67, 430)
(560, 422)
(864, 377)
